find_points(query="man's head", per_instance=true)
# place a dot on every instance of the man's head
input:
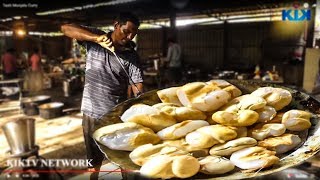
(36, 50)
(125, 28)
(171, 40)
(11, 50)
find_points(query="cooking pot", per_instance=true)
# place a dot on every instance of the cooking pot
(30, 104)
(227, 75)
(301, 100)
(51, 110)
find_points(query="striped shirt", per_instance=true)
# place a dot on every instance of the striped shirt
(106, 83)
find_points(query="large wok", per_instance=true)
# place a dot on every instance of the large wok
(301, 100)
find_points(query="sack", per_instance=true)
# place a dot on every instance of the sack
(34, 81)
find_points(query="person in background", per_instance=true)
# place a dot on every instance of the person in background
(9, 63)
(35, 60)
(106, 81)
(316, 88)
(34, 77)
(23, 62)
(173, 60)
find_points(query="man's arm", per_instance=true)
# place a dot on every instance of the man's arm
(79, 33)
(129, 92)
(82, 34)
(140, 88)
(2, 62)
(169, 54)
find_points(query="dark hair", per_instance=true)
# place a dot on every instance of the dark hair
(123, 17)
(171, 40)
(35, 50)
(11, 50)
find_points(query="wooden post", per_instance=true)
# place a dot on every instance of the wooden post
(225, 43)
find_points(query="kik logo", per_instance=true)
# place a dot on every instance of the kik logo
(296, 14)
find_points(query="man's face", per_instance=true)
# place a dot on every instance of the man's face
(125, 33)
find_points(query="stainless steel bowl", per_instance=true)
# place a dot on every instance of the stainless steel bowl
(51, 110)
(30, 104)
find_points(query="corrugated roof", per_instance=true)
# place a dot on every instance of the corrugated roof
(101, 12)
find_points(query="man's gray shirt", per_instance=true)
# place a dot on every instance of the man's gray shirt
(106, 83)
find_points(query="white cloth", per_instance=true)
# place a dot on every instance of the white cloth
(174, 55)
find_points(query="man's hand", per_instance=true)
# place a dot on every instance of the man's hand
(105, 42)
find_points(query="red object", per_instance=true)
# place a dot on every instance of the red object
(9, 63)
(35, 61)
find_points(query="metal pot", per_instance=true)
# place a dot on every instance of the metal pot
(66, 88)
(20, 134)
(51, 110)
(227, 75)
(30, 104)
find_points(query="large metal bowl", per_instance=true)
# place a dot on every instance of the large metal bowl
(30, 104)
(51, 110)
(301, 100)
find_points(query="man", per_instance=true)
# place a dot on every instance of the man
(174, 61)
(316, 88)
(34, 77)
(9, 63)
(35, 60)
(106, 82)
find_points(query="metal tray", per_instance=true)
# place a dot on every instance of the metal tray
(301, 100)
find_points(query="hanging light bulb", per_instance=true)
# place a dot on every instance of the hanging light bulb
(19, 29)
(20, 32)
